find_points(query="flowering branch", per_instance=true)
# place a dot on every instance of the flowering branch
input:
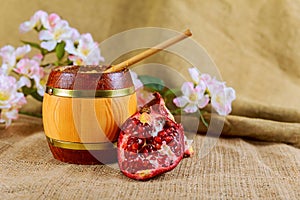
(193, 96)
(22, 75)
(204, 90)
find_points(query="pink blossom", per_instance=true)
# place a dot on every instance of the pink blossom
(143, 95)
(221, 96)
(195, 74)
(86, 53)
(193, 97)
(214, 86)
(23, 81)
(136, 81)
(51, 21)
(40, 85)
(10, 55)
(20, 52)
(38, 58)
(8, 87)
(10, 99)
(221, 100)
(7, 115)
(27, 67)
(75, 36)
(7, 54)
(39, 18)
(76, 60)
(30, 68)
(60, 32)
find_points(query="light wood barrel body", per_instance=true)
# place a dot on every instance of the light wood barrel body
(86, 120)
(83, 109)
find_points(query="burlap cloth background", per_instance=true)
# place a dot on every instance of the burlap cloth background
(255, 44)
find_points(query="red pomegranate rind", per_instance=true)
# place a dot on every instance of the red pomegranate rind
(155, 150)
(144, 150)
(150, 143)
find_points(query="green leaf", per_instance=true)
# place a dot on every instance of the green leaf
(32, 44)
(60, 50)
(32, 91)
(37, 46)
(36, 96)
(173, 92)
(153, 83)
(203, 120)
(27, 91)
(69, 62)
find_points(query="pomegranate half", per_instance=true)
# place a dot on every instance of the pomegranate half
(150, 143)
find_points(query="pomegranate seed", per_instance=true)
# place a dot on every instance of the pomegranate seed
(149, 140)
(132, 140)
(141, 142)
(148, 149)
(158, 139)
(153, 158)
(157, 146)
(162, 133)
(144, 149)
(168, 139)
(152, 148)
(168, 124)
(135, 146)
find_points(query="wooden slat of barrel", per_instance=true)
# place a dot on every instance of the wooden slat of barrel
(86, 120)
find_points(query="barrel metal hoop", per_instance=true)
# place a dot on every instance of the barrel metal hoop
(80, 146)
(90, 93)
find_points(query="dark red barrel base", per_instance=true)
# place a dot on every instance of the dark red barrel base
(84, 157)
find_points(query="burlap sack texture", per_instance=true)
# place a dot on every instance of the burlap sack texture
(255, 121)
(256, 47)
(233, 169)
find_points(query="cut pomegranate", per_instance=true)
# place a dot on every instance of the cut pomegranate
(150, 143)
(159, 106)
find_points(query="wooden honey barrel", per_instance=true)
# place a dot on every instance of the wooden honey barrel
(82, 111)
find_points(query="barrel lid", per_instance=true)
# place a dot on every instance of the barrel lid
(89, 77)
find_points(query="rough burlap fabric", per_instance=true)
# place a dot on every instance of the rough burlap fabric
(255, 45)
(233, 169)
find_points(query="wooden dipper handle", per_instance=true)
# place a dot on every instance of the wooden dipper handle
(148, 52)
